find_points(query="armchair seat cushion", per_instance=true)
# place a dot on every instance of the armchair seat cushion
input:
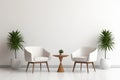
(41, 59)
(81, 59)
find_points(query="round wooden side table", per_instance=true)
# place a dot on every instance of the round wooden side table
(60, 68)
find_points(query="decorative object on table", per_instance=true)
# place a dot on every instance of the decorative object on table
(34, 54)
(105, 43)
(15, 43)
(85, 55)
(61, 51)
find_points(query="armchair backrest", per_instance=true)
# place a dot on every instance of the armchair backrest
(84, 51)
(33, 52)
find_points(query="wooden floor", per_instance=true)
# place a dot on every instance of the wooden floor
(21, 74)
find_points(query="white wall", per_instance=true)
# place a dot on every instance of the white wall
(56, 24)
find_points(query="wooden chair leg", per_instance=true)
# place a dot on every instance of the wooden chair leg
(40, 66)
(27, 66)
(33, 67)
(87, 67)
(74, 66)
(93, 66)
(81, 66)
(47, 66)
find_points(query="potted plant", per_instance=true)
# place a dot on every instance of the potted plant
(15, 43)
(61, 51)
(106, 43)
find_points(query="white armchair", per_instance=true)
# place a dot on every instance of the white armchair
(36, 55)
(84, 55)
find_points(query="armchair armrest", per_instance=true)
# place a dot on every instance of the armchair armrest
(93, 56)
(47, 54)
(72, 56)
(76, 53)
(28, 56)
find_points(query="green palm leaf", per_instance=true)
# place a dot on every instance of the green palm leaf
(106, 41)
(15, 41)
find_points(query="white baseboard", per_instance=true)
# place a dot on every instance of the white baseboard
(56, 66)
(115, 66)
(4, 66)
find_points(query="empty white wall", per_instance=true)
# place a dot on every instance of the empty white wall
(56, 24)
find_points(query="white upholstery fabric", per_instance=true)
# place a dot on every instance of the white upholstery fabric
(34, 54)
(41, 59)
(85, 54)
(82, 59)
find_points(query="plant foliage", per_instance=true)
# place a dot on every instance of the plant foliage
(15, 41)
(106, 41)
(61, 51)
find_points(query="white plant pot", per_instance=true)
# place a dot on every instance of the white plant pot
(15, 63)
(105, 63)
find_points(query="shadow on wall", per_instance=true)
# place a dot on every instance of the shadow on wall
(99, 56)
(4, 54)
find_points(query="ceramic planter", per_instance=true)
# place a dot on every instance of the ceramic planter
(15, 63)
(105, 63)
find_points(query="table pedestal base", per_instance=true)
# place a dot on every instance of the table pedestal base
(60, 69)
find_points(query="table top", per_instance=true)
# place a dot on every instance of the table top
(63, 55)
